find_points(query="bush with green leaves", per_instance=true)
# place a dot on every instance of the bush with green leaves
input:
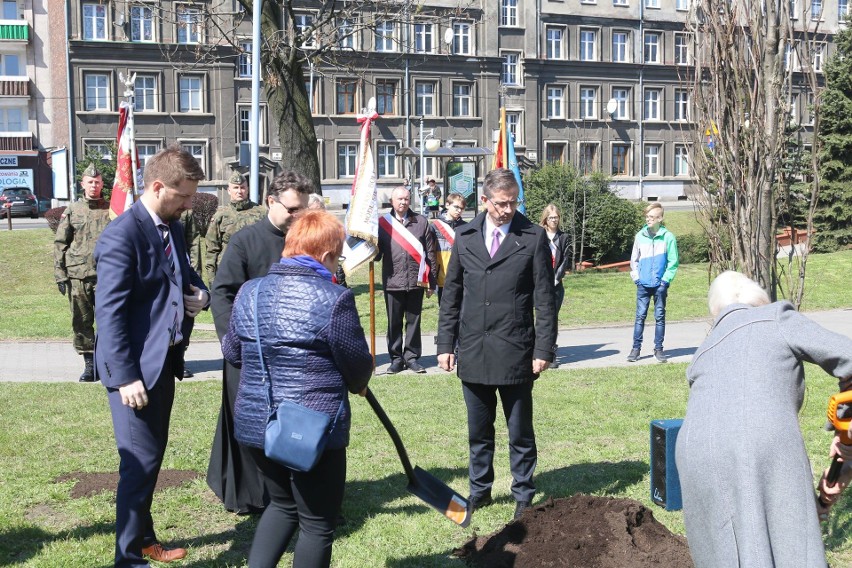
(599, 224)
(693, 248)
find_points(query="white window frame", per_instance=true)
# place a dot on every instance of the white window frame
(463, 101)
(14, 119)
(554, 42)
(682, 5)
(347, 158)
(681, 160)
(651, 50)
(145, 149)
(10, 65)
(94, 21)
(463, 38)
(304, 22)
(509, 13)
(244, 59)
(514, 121)
(190, 25)
(651, 107)
(816, 10)
(190, 88)
(622, 107)
(386, 161)
(588, 44)
(794, 9)
(511, 72)
(808, 109)
(424, 37)
(555, 101)
(818, 55)
(627, 160)
(842, 11)
(620, 3)
(652, 4)
(619, 48)
(426, 98)
(98, 91)
(198, 149)
(145, 96)
(101, 147)
(651, 163)
(346, 33)
(386, 42)
(681, 105)
(588, 102)
(142, 24)
(682, 48)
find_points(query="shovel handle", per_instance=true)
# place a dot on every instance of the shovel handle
(834, 471)
(397, 441)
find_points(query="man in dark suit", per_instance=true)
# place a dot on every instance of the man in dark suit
(232, 473)
(146, 298)
(500, 275)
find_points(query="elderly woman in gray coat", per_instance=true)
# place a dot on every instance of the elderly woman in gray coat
(748, 493)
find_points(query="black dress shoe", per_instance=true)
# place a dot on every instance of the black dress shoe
(397, 366)
(520, 508)
(480, 501)
(415, 366)
(187, 374)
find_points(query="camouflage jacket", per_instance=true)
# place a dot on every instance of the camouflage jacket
(81, 224)
(192, 238)
(227, 220)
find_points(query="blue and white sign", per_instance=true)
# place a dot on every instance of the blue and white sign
(16, 178)
(8, 161)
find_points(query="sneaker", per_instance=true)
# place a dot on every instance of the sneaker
(660, 356)
(478, 502)
(520, 507)
(634, 356)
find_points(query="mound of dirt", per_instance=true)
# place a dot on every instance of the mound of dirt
(583, 532)
(89, 483)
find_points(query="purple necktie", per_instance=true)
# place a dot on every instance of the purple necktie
(495, 242)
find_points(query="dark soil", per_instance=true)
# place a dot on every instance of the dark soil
(89, 484)
(582, 532)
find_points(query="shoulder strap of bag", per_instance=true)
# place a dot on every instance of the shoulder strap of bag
(266, 376)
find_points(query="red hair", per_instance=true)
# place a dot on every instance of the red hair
(314, 233)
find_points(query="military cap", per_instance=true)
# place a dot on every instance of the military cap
(91, 171)
(237, 177)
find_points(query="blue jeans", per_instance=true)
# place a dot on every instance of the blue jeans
(643, 300)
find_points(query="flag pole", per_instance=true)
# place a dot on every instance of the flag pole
(373, 311)
(130, 95)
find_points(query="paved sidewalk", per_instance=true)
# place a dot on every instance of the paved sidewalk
(578, 348)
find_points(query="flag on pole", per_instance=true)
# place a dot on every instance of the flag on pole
(504, 157)
(362, 217)
(122, 188)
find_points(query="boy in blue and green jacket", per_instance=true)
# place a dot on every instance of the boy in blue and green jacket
(653, 265)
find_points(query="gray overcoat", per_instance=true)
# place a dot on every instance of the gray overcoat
(747, 483)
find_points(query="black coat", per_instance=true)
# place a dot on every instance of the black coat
(488, 304)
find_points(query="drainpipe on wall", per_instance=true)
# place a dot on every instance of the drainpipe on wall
(70, 97)
(641, 96)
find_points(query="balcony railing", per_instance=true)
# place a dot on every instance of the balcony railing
(14, 86)
(16, 141)
(14, 30)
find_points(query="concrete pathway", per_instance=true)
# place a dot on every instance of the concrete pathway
(52, 361)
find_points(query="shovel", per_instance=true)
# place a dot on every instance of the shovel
(421, 483)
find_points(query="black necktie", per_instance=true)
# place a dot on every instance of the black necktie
(167, 245)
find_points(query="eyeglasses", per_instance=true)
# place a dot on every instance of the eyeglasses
(503, 204)
(553, 218)
(290, 210)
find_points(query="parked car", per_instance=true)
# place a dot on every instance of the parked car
(20, 201)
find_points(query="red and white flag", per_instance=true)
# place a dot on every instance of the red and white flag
(362, 217)
(123, 188)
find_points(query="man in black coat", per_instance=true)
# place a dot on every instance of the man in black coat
(232, 473)
(500, 275)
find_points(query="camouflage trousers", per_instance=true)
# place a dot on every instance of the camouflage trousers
(82, 300)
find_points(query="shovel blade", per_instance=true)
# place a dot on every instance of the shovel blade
(440, 497)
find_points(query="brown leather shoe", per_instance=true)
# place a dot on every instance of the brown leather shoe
(160, 554)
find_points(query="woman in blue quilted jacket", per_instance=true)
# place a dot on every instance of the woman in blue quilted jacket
(314, 351)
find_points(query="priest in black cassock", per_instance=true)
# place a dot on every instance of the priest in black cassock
(232, 473)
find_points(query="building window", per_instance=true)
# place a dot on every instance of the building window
(681, 160)
(794, 9)
(652, 104)
(588, 102)
(681, 105)
(197, 150)
(345, 34)
(462, 38)
(555, 153)
(141, 23)
(652, 159)
(347, 91)
(10, 65)
(346, 159)
(97, 91)
(555, 42)
(555, 101)
(509, 13)
(622, 100)
(588, 45)
(511, 69)
(191, 93)
(620, 159)
(652, 47)
(842, 10)
(463, 99)
(243, 124)
(809, 109)
(100, 148)
(513, 123)
(424, 38)
(145, 93)
(94, 21)
(620, 47)
(385, 36)
(424, 98)
(681, 48)
(652, 3)
(588, 158)
(145, 151)
(386, 160)
(818, 56)
(244, 60)
(189, 25)
(620, 3)
(386, 97)
(10, 10)
(816, 10)
(313, 94)
(791, 58)
(304, 33)
(682, 5)
(13, 119)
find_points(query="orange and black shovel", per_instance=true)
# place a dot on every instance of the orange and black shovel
(422, 484)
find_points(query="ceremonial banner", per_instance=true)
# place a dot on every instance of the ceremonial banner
(122, 189)
(362, 217)
(505, 157)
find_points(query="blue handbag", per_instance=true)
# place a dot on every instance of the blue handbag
(295, 436)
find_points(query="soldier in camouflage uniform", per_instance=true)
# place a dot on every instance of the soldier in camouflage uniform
(229, 219)
(73, 259)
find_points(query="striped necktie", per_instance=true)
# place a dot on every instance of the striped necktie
(167, 245)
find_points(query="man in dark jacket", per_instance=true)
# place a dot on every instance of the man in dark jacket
(407, 249)
(500, 275)
(232, 473)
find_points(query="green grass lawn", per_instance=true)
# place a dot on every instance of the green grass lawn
(592, 430)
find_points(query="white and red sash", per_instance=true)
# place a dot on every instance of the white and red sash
(403, 237)
(448, 232)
